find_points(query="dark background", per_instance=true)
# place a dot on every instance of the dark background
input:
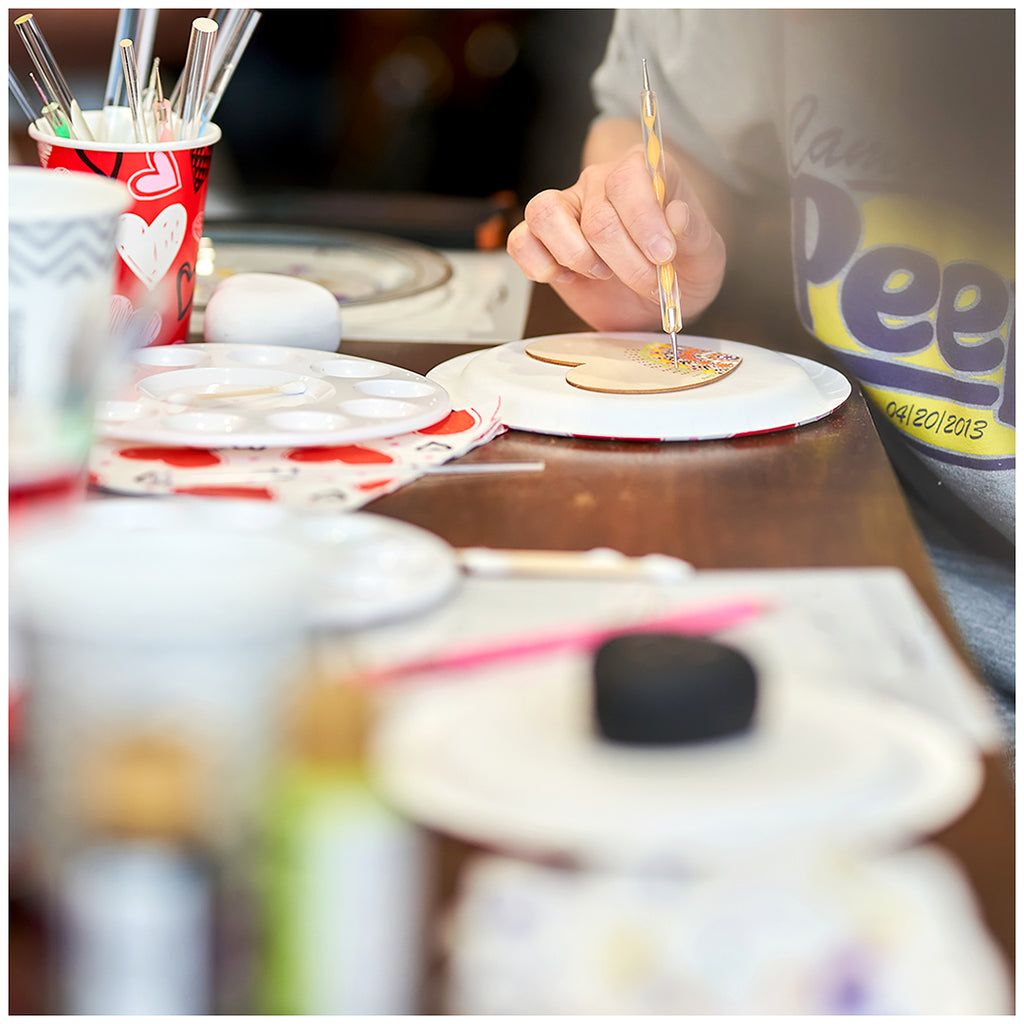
(449, 102)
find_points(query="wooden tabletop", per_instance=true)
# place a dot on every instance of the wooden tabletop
(821, 495)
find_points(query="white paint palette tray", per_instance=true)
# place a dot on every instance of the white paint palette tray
(244, 396)
(768, 391)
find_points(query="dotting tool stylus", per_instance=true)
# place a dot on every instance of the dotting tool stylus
(52, 76)
(654, 156)
(195, 74)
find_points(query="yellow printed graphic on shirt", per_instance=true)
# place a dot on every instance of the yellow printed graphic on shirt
(944, 424)
(918, 302)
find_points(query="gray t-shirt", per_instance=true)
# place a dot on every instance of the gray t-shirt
(912, 287)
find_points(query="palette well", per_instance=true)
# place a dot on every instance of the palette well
(767, 391)
(240, 396)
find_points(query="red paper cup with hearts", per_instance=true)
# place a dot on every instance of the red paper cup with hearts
(158, 236)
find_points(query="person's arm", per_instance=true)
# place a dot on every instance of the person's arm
(598, 242)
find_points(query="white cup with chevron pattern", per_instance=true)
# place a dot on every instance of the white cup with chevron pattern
(62, 230)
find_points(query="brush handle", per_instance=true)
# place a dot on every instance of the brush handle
(697, 621)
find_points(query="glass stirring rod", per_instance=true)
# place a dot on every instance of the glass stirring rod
(654, 157)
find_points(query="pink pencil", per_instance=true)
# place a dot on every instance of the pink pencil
(696, 621)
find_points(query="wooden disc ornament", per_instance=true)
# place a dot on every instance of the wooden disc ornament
(626, 367)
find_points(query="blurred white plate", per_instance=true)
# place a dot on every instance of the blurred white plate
(269, 396)
(768, 391)
(372, 568)
(486, 300)
(510, 759)
(358, 268)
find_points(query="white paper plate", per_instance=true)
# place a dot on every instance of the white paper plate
(358, 268)
(322, 398)
(372, 568)
(768, 391)
(513, 761)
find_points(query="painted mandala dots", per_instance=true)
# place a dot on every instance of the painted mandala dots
(625, 367)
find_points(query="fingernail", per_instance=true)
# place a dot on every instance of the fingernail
(661, 249)
(564, 277)
(601, 270)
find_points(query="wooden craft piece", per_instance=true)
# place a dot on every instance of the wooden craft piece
(626, 367)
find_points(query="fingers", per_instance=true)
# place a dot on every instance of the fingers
(693, 231)
(609, 224)
(550, 246)
(630, 192)
(619, 215)
(700, 260)
(534, 259)
(634, 235)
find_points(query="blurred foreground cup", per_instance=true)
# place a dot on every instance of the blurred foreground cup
(158, 236)
(61, 252)
(155, 646)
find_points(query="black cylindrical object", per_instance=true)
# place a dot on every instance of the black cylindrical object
(657, 689)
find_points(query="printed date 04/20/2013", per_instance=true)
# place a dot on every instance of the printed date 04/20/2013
(939, 421)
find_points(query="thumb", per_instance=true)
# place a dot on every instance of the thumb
(678, 215)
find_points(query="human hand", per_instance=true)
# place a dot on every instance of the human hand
(599, 242)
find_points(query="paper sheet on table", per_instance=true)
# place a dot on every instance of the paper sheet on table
(485, 300)
(841, 627)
